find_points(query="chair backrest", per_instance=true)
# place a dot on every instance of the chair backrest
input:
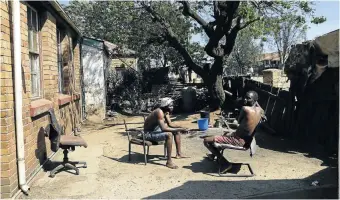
(127, 130)
(53, 131)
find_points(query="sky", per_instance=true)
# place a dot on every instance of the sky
(328, 9)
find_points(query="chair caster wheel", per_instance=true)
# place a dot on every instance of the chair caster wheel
(85, 166)
(52, 175)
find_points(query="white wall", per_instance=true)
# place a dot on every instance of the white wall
(94, 81)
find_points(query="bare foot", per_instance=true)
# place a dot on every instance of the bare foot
(181, 156)
(171, 165)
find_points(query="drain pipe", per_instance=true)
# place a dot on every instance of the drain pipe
(18, 96)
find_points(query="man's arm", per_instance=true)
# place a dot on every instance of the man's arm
(169, 122)
(229, 133)
(263, 115)
(163, 126)
(241, 115)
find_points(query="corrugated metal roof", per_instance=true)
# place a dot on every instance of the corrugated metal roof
(117, 50)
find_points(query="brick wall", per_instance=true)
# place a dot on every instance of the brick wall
(9, 181)
(37, 146)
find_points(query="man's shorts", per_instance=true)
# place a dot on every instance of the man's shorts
(156, 135)
(232, 140)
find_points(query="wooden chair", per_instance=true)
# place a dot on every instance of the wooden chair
(137, 137)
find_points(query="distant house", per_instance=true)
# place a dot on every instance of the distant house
(121, 57)
(269, 60)
(98, 57)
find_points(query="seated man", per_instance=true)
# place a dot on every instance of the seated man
(250, 116)
(158, 127)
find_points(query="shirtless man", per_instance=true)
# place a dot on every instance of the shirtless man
(158, 127)
(250, 116)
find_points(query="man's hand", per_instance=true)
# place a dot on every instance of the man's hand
(183, 130)
(229, 134)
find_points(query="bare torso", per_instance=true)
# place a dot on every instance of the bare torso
(151, 122)
(249, 119)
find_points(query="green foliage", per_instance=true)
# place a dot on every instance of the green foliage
(124, 23)
(108, 20)
(245, 53)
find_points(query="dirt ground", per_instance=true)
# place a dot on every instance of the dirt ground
(277, 164)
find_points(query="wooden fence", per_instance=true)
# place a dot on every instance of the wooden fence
(314, 118)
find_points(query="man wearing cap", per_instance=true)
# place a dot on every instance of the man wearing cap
(158, 127)
(250, 116)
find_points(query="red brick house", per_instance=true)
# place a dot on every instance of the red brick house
(40, 53)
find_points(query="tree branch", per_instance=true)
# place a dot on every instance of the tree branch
(231, 37)
(224, 22)
(249, 22)
(174, 41)
(187, 11)
(216, 10)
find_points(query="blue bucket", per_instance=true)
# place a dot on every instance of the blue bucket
(203, 124)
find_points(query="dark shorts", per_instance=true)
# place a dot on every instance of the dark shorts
(156, 135)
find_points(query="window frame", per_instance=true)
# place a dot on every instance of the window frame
(60, 61)
(37, 70)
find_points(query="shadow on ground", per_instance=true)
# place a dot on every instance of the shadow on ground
(138, 158)
(286, 145)
(231, 189)
(209, 167)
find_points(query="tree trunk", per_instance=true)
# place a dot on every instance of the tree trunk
(214, 82)
(216, 92)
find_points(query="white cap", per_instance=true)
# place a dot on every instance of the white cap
(165, 101)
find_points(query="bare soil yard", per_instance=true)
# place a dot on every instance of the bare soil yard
(278, 164)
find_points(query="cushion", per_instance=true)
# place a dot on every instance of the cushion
(70, 140)
(252, 147)
(228, 146)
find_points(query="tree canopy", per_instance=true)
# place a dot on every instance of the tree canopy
(245, 54)
(227, 19)
(162, 30)
(123, 23)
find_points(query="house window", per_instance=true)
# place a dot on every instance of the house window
(33, 45)
(60, 62)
